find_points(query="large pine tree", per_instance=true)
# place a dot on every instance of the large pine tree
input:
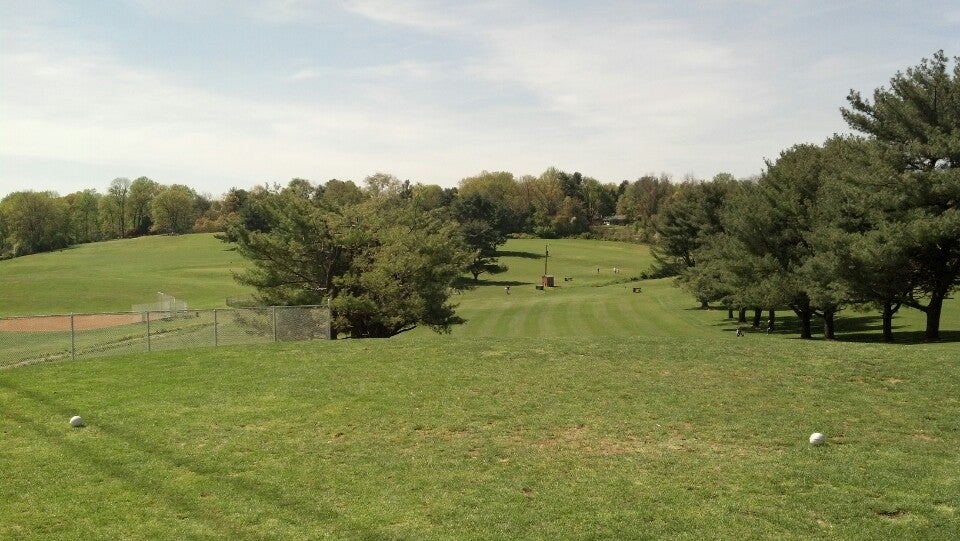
(917, 119)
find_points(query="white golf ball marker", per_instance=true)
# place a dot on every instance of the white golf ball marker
(817, 439)
(76, 421)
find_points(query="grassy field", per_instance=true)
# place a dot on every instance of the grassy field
(447, 438)
(115, 275)
(586, 411)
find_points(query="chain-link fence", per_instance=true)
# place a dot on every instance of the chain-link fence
(33, 339)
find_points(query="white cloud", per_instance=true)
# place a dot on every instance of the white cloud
(90, 109)
(306, 74)
(423, 15)
(613, 89)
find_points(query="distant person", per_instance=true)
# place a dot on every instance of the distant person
(739, 331)
(506, 289)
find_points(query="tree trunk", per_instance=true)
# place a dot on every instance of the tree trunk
(802, 308)
(757, 317)
(772, 320)
(888, 310)
(742, 315)
(806, 331)
(933, 317)
(729, 312)
(704, 305)
(829, 329)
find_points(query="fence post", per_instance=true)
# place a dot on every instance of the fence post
(148, 330)
(216, 337)
(329, 320)
(274, 323)
(73, 340)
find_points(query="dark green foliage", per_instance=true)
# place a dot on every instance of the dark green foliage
(401, 266)
(384, 266)
(762, 257)
(483, 226)
(686, 220)
(916, 121)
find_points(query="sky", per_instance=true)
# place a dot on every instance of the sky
(218, 94)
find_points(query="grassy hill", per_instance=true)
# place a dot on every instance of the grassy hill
(586, 411)
(115, 275)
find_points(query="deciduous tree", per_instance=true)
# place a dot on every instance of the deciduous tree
(173, 210)
(117, 192)
(34, 222)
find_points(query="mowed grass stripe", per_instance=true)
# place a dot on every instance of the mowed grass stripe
(562, 324)
(505, 321)
(537, 317)
(591, 315)
(617, 316)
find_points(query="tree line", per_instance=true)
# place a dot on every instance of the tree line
(553, 204)
(33, 222)
(865, 221)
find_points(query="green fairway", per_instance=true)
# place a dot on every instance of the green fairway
(440, 438)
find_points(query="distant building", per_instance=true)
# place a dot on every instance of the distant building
(616, 219)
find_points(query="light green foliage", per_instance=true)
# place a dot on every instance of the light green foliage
(84, 216)
(342, 193)
(173, 210)
(32, 222)
(641, 200)
(117, 194)
(600, 200)
(142, 192)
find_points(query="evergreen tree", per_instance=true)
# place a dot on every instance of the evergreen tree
(385, 266)
(917, 120)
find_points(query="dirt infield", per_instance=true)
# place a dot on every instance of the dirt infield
(81, 322)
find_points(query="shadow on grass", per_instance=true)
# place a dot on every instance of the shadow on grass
(148, 482)
(523, 255)
(466, 284)
(902, 338)
(503, 283)
(859, 329)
